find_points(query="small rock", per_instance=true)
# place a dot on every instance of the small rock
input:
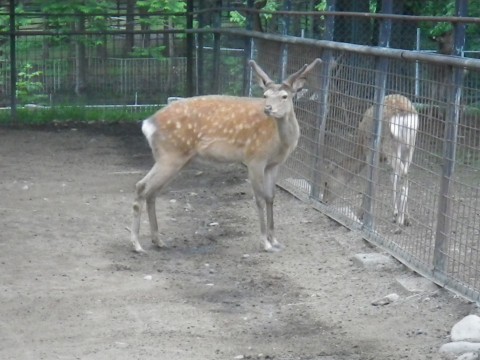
(213, 224)
(459, 347)
(148, 277)
(376, 261)
(468, 356)
(467, 329)
(239, 357)
(390, 298)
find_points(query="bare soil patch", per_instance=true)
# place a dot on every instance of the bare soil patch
(71, 287)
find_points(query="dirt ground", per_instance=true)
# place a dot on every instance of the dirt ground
(72, 288)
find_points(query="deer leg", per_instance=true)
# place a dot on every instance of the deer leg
(394, 178)
(146, 189)
(260, 202)
(270, 182)
(404, 196)
(152, 219)
(398, 170)
(403, 217)
(256, 175)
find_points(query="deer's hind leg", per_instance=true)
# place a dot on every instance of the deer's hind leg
(147, 189)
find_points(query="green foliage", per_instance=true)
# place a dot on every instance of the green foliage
(165, 6)
(234, 64)
(172, 6)
(239, 19)
(447, 8)
(155, 52)
(73, 115)
(321, 6)
(29, 86)
(64, 10)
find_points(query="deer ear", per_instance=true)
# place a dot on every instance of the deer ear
(262, 78)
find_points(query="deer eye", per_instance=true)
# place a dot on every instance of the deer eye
(284, 97)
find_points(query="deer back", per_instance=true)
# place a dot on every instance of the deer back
(216, 127)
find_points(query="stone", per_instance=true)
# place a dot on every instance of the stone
(376, 261)
(467, 329)
(416, 284)
(460, 347)
(468, 356)
(390, 298)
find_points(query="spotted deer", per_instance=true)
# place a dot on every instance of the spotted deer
(399, 130)
(261, 133)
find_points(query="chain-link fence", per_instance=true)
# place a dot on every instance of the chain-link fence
(355, 139)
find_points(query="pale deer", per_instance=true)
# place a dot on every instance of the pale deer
(261, 133)
(399, 131)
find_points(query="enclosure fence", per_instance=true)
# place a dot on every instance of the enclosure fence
(440, 239)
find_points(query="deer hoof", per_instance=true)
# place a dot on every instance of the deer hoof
(278, 246)
(139, 250)
(158, 243)
(273, 249)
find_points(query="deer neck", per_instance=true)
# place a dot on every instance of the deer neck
(289, 130)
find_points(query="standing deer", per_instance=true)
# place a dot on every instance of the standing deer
(399, 130)
(261, 133)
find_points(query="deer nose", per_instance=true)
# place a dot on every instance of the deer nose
(268, 109)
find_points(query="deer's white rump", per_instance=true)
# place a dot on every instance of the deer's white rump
(261, 133)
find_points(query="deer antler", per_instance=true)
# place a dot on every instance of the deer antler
(301, 74)
(266, 81)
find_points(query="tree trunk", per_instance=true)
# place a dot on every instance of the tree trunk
(145, 26)
(129, 27)
(80, 59)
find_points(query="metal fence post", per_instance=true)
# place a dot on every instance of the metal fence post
(200, 52)
(13, 64)
(247, 73)
(369, 197)
(322, 109)
(449, 151)
(216, 49)
(190, 50)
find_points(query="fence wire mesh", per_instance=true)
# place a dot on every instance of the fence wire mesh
(350, 93)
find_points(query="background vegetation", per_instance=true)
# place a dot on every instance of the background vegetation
(132, 52)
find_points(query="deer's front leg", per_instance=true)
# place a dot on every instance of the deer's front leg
(270, 182)
(256, 175)
(394, 179)
(403, 218)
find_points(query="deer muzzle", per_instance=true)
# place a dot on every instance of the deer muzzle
(267, 109)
